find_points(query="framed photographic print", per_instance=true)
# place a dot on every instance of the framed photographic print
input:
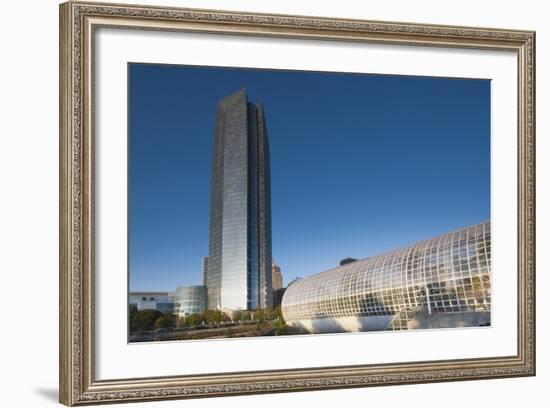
(256, 203)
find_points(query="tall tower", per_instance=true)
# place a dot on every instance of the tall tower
(239, 259)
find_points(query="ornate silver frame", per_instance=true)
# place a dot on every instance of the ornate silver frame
(78, 385)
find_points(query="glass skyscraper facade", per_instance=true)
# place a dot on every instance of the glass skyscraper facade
(239, 259)
(440, 282)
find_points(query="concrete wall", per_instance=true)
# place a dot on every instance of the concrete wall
(343, 324)
(423, 320)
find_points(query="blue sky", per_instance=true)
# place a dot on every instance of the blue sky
(360, 164)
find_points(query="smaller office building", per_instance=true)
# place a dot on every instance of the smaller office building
(190, 300)
(277, 278)
(161, 301)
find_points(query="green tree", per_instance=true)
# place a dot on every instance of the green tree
(260, 315)
(280, 327)
(143, 319)
(215, 316)
(278, 314)
(193, 319)
(209, 316)
(241, 316)
(274, 314)
(166, 321)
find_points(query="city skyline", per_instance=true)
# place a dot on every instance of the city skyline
(347, 191)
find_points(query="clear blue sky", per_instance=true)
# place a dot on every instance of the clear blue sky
(360, 164)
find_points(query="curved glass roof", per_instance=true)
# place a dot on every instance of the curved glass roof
(448, 273)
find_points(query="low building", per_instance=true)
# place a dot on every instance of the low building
(346, 261)
(440, 282)
(190, 300)
(161, 301)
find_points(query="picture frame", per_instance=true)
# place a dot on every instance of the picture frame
(79, 25)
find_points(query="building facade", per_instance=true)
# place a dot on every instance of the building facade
(190, 300)
(204, 270)
(441, 282)
(239, 258)
(278, 297)
(161, 301)
(277, 277)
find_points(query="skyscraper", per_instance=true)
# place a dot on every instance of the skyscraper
(277, 276)
(239, 259)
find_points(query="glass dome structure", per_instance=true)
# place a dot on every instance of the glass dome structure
(441, 282)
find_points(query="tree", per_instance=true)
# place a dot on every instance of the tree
(193, 319)
(280, 327)
(260, 315)
(166, 321)
(274, 314)
(241, 316)
(209, 316)
(215, 316)
(143, 319)
(278, 314)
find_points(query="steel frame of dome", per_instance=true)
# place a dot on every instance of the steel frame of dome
(447, 274)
